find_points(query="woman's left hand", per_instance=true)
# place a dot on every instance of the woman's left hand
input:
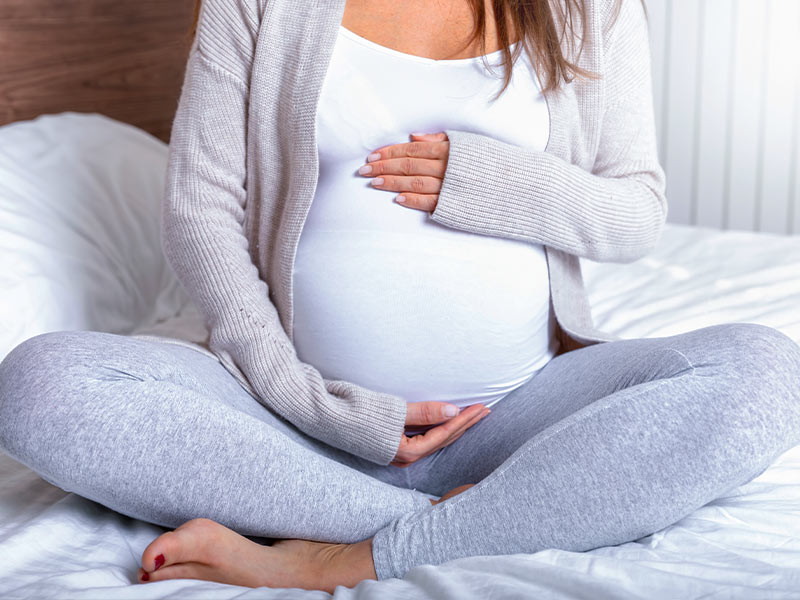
(415, 169)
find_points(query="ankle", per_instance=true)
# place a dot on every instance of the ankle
(363, 555)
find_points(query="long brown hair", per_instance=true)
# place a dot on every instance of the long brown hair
(533, 22)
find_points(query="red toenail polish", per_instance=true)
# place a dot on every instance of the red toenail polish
(159, 561)
(146, 577)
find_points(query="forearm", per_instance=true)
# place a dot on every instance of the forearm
(206, 197)
(598, 190)
(498, 189)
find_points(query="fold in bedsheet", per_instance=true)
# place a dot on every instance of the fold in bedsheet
(54, 544)
(744, 545)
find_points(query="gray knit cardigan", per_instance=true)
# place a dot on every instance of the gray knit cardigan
(243, 167)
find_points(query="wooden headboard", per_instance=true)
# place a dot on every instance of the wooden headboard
(122, 58)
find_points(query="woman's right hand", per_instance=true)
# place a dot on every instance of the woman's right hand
(429, 413)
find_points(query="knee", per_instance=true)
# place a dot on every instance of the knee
(762, 347)
(761, 363)
(776, 357)
(751, 373)
(764, 361)
(743, 345)
(30, 376)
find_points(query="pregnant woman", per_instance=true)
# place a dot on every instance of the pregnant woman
(381, 237)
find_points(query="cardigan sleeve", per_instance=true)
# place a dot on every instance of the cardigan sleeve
(204, 240)
(615, 213)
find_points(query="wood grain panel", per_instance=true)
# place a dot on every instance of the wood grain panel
(122, 58)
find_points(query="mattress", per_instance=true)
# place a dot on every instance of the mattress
(55, 544)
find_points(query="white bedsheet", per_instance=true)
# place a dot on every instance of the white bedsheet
(744, 545)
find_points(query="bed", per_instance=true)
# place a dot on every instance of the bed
(99, 181)
(79, 249)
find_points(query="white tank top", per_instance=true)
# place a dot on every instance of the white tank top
(387, 298)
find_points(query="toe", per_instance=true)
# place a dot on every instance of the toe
(181, 571)
(187, 543)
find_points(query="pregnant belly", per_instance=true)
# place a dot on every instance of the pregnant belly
(464, 320)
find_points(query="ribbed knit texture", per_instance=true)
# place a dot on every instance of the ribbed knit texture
(606, 203)
(243, 169)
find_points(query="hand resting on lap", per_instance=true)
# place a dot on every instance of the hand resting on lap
(412, 448)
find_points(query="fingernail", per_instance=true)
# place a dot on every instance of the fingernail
(146, 576)
(159, 561)
(373, 156)
(377, 181)
(401, 199)
(365, 169)
(417, 133)
(451, 411)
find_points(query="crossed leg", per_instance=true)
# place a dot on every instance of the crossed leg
(163, 433)
(604, 445)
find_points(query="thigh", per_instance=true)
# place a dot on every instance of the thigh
(566, 384)
(164, 433)
(73, 360)
(195, 372)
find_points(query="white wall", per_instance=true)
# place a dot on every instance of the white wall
(726, 84)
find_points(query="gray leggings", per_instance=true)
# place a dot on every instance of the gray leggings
(602, 446)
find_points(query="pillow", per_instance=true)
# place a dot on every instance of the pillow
(80, 245)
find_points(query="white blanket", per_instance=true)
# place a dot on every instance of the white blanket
(744, 545)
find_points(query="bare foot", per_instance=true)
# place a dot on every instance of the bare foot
(451, 493)
(204, 549)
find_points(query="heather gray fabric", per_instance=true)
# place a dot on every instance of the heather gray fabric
(243, 168)
(163, 433)
(604, 445)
